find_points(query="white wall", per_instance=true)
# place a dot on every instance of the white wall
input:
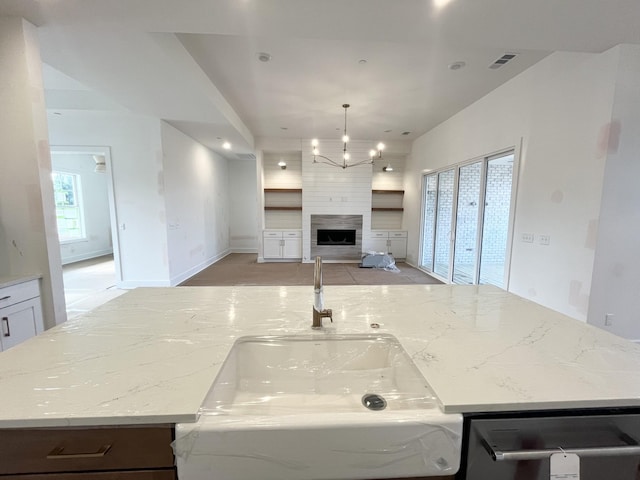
(196, 194)
(95, 202)
(136, 162)
(615, 288)
(28, 232)
(243, 206)
(558, 109)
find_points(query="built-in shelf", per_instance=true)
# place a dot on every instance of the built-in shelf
(387, 200)
(388, 192)
(282, 190)
(283, 199)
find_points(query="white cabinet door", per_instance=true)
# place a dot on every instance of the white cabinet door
(18, 322)
(292, 248)
(398, 247)
(272, 247)
(379, 245)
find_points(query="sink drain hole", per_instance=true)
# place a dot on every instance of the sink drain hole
(374, 401)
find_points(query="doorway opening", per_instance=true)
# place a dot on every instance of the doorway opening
(87, 226)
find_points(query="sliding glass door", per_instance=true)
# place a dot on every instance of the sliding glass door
(466, 219)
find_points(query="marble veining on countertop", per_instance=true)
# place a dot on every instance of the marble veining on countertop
(150, 355)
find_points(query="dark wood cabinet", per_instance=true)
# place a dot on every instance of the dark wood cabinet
(107, 453)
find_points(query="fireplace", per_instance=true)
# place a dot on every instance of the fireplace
(336, 237)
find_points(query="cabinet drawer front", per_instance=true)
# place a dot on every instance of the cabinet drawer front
(85, 449)
(379, 234)
(19, 293)
(292, 234)
(398, 234)
(168, 474)
(272, 234)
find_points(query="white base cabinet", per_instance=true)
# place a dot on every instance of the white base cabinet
(393, 242)
(282, 244)
(20, 313)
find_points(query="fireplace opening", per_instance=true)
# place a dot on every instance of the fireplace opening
(336, 237)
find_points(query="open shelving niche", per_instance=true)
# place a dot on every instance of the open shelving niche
(283, 208)
(386, 209)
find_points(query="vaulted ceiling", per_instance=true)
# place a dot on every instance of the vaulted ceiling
(196, 63)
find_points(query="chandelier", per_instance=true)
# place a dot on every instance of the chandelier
(345, 154)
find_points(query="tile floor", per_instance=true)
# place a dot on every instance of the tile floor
(89, 284)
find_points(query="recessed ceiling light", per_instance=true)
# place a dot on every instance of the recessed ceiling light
(362, 62)
(263, 56)
(226, 146)
(57, 113)
(284, 128)
(387, 131)
(406, 133)
(457, 65)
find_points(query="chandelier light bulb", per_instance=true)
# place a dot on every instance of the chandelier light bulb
(226, 146)
(317, 158)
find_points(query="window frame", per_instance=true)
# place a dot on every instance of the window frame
(78, 205)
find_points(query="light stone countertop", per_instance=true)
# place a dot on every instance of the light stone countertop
(10, 280)
(150, 355)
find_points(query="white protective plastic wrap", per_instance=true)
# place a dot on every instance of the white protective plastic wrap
(309, 407)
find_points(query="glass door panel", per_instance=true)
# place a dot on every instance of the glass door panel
(444, 214)
(497, 213)
(430, 189)
(467, 216)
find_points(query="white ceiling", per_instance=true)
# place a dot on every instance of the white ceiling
(194, 63)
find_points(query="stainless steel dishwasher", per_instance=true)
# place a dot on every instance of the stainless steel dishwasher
(605, 446)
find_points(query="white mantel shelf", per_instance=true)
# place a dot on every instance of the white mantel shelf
(150, 355)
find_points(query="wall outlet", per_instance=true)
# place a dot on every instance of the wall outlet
(545, 239)
(527, 237)
(608, 319)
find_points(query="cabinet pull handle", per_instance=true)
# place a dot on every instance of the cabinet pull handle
(57, 453)
(6, 297)
(5, 321)
(631, 448)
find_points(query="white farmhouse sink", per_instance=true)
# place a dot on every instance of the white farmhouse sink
(319, 407)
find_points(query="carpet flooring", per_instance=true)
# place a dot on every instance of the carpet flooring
(243, 269)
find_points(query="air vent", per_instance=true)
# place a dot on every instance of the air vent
(503, 60)
(246, 156)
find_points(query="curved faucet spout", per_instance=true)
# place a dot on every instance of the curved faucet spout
(317, 285)
(319, 312)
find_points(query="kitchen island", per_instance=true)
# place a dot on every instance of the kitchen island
(150, 356)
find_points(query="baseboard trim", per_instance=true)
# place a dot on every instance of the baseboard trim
(86, 256)
(131, 284)
(178, 279)
(243, 250)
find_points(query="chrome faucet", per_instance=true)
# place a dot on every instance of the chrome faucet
(319, 312)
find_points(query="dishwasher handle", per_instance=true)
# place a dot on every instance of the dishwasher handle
(632, 448)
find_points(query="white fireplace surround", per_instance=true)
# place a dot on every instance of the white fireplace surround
(336, 222)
